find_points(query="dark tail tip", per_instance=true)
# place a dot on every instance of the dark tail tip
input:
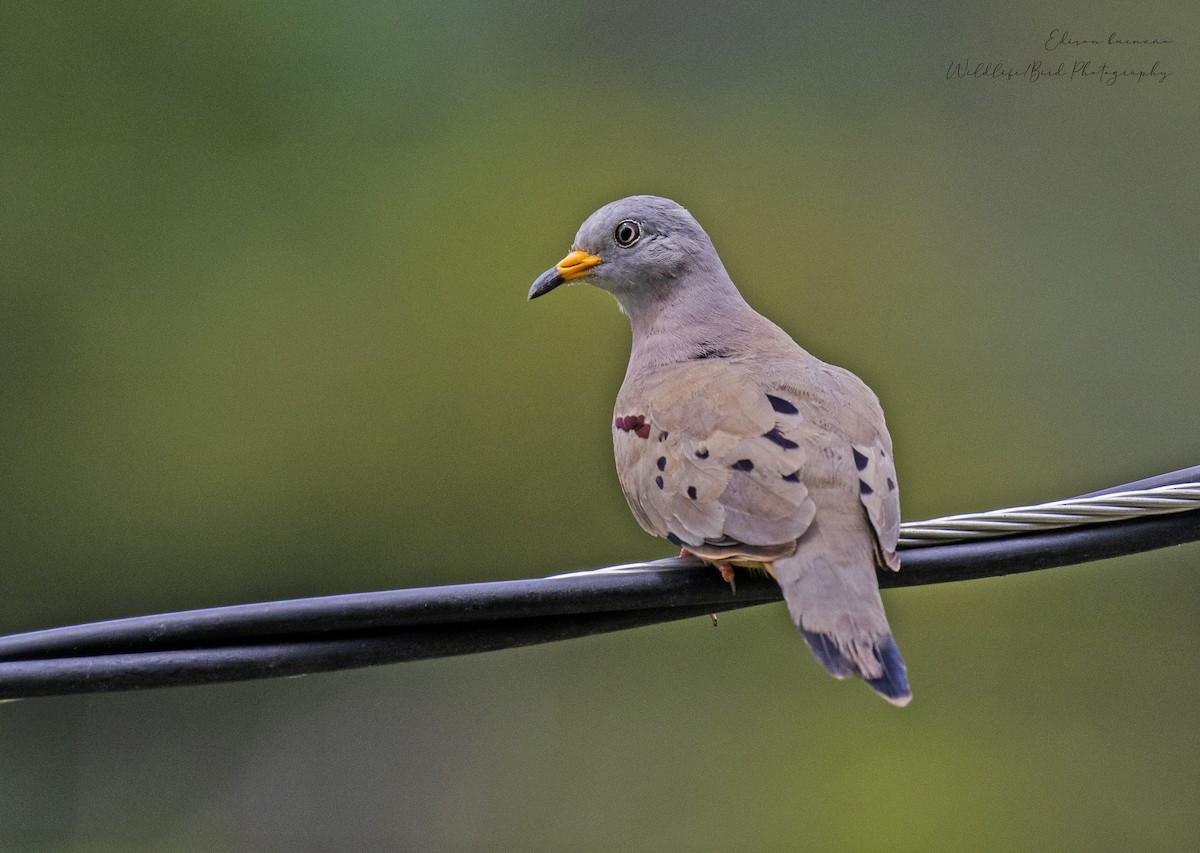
(826, 651)
(892, 685)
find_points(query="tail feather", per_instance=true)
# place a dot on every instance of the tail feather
(892, 685)
(826, 651)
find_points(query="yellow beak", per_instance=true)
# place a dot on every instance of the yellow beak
(574, 265)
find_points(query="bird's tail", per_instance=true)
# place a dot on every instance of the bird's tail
(892, 684)
(833, 597)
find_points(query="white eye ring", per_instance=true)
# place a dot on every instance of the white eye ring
(627, 232)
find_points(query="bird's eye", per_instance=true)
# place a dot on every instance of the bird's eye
(627, 233)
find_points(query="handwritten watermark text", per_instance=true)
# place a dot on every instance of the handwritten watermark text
(1129, 66)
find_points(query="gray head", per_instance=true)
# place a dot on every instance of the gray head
(644, 250)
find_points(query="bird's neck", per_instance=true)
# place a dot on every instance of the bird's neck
(701, 317)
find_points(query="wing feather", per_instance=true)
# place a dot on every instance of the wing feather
(719, 461)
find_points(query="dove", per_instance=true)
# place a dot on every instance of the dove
(738, 446)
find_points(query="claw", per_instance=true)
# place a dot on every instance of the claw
(726, 570)
(727, 575)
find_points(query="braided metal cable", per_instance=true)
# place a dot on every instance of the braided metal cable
(1071, 512)
(969, 526)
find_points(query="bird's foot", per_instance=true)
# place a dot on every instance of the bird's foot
(726, 570)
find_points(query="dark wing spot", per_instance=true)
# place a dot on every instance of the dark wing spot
(891, 485)
(707, 351)
(662, 436)
(702, 454)
(674, 540)
(793, 477)
(742, 465)
(658, 481)
(782, 406)
(860, 461)
(692, 492)
(864, 489)
(776, 436)
(662, 463)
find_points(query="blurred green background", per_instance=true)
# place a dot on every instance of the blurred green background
(263, 334)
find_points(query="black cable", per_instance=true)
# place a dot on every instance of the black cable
(283, 638)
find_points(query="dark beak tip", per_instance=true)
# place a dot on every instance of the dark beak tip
(545, 282)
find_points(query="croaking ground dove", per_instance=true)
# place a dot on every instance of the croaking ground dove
(737, 445)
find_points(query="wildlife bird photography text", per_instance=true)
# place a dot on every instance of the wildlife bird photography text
(1110, 58)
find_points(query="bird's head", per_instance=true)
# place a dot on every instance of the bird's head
(641, 248)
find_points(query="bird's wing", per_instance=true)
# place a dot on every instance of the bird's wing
(880, 496)
(712, 451)
(708, 455)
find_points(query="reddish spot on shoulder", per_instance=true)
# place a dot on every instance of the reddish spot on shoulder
(633, 423)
